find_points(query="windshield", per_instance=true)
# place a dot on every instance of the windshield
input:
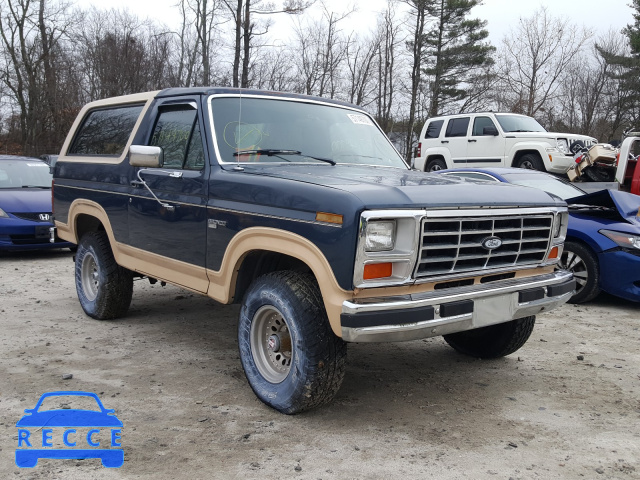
(21, 174)
(547, 183)
(250, 129)
(518, 123)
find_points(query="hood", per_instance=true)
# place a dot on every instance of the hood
(572, 136)
(552, 135)
(379, 187)
(626, 205)
(25, 200)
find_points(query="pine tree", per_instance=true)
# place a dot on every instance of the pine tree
(456, 49)
(629, 66)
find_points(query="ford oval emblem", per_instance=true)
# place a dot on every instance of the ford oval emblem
(491, 243)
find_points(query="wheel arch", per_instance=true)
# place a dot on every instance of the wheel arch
(256, 251)
(435, 156)
(84, 216)
(526, 151)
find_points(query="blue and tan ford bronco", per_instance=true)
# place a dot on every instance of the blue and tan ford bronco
(301, 210)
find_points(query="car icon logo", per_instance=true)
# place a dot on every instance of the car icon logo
(66, 433)
(491, 243)
(45, 217)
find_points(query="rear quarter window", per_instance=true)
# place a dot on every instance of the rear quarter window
(433, 129)
(105, 131)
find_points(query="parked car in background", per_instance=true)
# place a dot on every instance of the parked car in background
(25, 204)
(490, 139)
(603, 237)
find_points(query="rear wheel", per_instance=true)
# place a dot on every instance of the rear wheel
(104, 287)
(493, 341)
(435, 165)
(291, 357)
(581, 261)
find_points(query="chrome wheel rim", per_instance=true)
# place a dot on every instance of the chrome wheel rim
(435, 167)
(575, 264)
(90, 276)
(271, 344)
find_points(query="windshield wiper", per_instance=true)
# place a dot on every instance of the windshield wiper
(271, 152)
(36, 186)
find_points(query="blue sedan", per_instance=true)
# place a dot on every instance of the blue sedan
(25, 204)
(603, 238)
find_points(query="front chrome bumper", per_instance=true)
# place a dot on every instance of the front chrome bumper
(453, 310)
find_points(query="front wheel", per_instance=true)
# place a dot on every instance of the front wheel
(291, 357)
(580, 261)
(104, 287)
(494, 341)
(531, 162)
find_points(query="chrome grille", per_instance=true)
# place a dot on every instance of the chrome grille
(453, 245)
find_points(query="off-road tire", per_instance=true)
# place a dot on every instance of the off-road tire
(317, 357)
(104, 287)
(531, 162)
(583, 263)
(494, 341)
(435, 165)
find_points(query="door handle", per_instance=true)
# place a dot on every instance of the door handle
(444, 141)
(472, 140)
(136, 183)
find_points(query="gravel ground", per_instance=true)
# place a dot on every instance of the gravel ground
(567, 405)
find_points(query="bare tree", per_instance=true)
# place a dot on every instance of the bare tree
(199, 34)
(122, 54)
(418, 23)
(246, 29)
(360, 56)
(30, 34)
(320, 49)
(533, 57)
(388, 40)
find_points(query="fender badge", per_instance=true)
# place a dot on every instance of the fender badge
(491, 243)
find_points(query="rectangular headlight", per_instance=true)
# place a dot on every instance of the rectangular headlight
(560, 226)
(562, 144)
(380, 236)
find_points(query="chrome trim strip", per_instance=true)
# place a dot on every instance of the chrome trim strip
(311, 222)
(126, 195)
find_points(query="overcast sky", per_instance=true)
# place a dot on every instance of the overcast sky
(597, 15)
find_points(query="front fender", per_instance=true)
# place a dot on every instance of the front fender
(222, 282)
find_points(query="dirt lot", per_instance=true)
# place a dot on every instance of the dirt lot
(567, 405)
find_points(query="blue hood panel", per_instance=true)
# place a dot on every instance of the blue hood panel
(25, 200)
(382, 187)
(627, 204)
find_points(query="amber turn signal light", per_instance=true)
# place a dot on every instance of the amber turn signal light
(553, 253)
(377, 270)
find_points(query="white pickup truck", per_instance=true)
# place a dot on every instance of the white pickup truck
(493, 140)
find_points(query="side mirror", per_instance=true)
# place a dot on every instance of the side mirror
(145, 156)
(490, 131)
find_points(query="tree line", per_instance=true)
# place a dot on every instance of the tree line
(421, 58)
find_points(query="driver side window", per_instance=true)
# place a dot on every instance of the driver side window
(177, 132)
